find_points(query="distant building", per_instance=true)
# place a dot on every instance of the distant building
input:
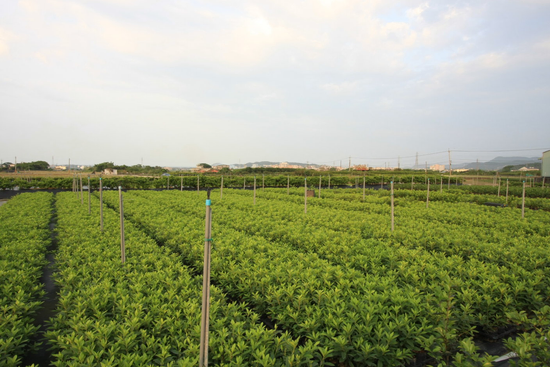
(437, 167)
(525, 169)
(461, 170)
(546, 164)
(110, 171)
(60, 168)
(221, 166)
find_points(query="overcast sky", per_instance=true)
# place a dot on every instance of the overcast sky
(180, 82)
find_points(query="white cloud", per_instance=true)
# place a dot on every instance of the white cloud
(5, 37)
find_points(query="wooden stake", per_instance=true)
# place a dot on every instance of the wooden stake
(122, 242)
(205, 315)
(101, 203)
(441, 185)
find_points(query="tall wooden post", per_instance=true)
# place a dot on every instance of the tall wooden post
(101, 203)
(441, 185)
(205, 314)
(122, 239)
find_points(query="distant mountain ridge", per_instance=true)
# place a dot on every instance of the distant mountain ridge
(499, 163)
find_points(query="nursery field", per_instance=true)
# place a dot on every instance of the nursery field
(332, 285)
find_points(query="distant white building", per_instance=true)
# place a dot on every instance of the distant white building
(110, 171)
(437, 167)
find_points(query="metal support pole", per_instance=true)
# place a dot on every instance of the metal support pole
(363, 188)
(392, 217)
(428, 194)
(101, 203)
(89, 197)
(122, 242)
(523, 202)
(254, 190)
(506, 191)
(305, 195)
(288, 185)
(205, 315)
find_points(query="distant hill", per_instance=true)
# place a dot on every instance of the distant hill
(499, 163)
